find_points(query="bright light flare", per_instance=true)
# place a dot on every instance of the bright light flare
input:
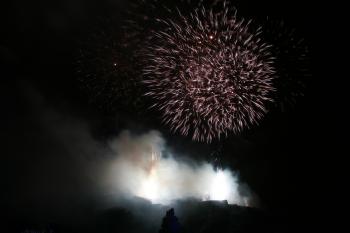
(150, 184)
(150, 188)
(220, 186)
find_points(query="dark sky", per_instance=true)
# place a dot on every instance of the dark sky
(37, 52)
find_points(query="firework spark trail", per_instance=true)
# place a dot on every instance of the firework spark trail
(208, 73)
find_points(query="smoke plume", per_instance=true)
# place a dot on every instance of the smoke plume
(144, 167)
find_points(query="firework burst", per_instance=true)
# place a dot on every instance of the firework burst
(292, 62)
(208, 73)
(107, 71)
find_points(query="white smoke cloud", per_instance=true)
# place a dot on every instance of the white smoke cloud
(140, 169)
(71, 173)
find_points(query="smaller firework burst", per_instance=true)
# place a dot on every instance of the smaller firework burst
(107, 71)
(292, 62)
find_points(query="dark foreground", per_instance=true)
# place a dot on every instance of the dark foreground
(141, 216)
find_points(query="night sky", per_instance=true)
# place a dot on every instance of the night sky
(44, 108)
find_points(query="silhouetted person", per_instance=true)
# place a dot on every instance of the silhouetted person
(170, 223)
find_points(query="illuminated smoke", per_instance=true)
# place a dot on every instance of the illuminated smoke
(141, 170)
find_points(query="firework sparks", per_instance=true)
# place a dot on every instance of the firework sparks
(208, 73)
(107, 71)
(292, 62)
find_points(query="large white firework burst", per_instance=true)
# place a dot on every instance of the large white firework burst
(208, 72)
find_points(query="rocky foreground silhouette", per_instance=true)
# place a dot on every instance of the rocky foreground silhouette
(185, 216)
